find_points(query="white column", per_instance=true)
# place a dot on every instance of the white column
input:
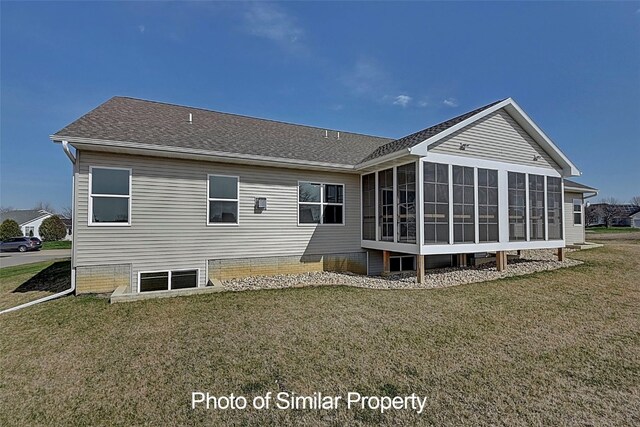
(450, 169)
(419, 205)
(503, 206)
(546, 208)
(526, 206)
(475, 204)
(376, 210)
(395, 204)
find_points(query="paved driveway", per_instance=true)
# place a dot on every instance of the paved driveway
(9, 259)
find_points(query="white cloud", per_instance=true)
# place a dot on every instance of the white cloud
(450, 102)
(141, 28)
(273, 23)
(402, 100)
(423, 103)
(365, 78)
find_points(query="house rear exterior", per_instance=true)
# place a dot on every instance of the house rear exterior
(171, 197)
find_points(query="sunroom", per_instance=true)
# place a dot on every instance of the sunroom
(447, 205)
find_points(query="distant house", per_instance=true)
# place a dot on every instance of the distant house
(626, 215)
(30, 221)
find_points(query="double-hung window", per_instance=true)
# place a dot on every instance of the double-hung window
(517, 194)
(320, 203)
(223, 199)
(109, 196)
(577, 212)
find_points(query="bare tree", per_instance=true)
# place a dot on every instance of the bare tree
(67, 212)
(45, 206)
(609, 209)
(592, 214)
(635, 200)
(4, 209)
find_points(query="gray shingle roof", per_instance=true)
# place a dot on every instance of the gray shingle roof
(158, 124)
(417, 137)
(23, 215)
(573, 184)
(154, 123)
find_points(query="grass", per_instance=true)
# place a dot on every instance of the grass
(604, 230)
(60, 244)
(553, 348)
(24, 283)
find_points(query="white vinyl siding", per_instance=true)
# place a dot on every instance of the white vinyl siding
(574, 233)
(169, 211)
(496, 137)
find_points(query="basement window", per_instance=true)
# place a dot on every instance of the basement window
(167, 280)
(402, 263)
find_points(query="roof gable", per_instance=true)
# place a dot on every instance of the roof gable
(519, 116)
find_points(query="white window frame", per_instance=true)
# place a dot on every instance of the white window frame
(322, 203)
(28, 228)
(91, 196)
(574, 212)
(216, 199)
(140, 273)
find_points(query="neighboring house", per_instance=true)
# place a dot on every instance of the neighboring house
(622, 215)
(29, 220)
(575, 195)
(172, 197)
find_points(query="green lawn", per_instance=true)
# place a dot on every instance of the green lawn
(604, 230)
(60, 244)
(24, 283)
(554, 348)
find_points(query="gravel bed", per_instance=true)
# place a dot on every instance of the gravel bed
(531, 261)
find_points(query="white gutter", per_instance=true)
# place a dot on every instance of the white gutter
(65, 147)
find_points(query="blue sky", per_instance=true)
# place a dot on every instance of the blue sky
(379, 68)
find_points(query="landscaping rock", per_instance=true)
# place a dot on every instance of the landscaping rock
(531, 261)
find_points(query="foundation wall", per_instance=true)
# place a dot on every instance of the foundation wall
(102, 278)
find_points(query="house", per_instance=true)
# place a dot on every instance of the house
(29, 220)
(625, 215)
(575, 195)
(167, 197)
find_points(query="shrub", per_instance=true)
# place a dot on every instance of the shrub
(9, 228)
(52, 229)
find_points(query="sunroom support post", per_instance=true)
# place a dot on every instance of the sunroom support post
(501, 260)
(561, 254)
(386, 262)
(420, 268)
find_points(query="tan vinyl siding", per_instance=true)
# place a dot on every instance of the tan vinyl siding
(573, 233)
(496, 137)
(169, 216)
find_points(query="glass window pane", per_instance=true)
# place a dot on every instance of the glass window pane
(184, 279)
(109, 181)
(309, 214)
(110, 209)
(223, 212)
(309, 192)
(333, 193)
(223, 187)
(154, 281)
(332, 214)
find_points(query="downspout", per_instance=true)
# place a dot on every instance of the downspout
(65, 147)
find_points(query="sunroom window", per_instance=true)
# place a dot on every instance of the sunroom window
(110, 196)
(487, 205)
(385, 204)
(517, 206)
(320, 203)
(436, 203)
(554, 208)
(463, 205)
(406, 187)
(536, 210)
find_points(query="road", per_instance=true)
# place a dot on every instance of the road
(10, 259)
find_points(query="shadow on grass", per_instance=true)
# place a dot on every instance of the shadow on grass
(55, 278)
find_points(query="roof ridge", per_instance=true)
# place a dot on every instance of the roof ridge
(249, 117)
